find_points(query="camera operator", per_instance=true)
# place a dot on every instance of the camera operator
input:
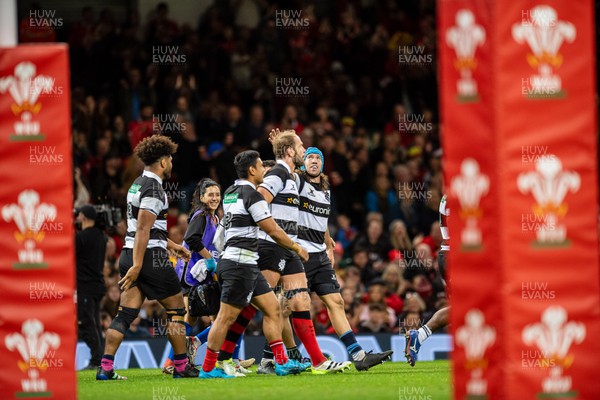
(90, 248)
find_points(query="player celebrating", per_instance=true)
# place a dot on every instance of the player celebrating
(241, 281)
(313, 234)
(276, 263)
(415, 338)
(144, 263)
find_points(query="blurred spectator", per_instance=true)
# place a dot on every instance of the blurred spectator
(320, 316)
(90, 249)
(106, 180)
(360, 260)
(382, 198)
(346, 233)
(352, 278)
(161, 30)
(395, 282)
(351, 305)
(379, 288)
(82, 195)
(110, 302)
(133, 96)
(142, 126)
(105, 321)
(413, 316)
(376, 319)
(376, 294)
(256, 125)
(399, 239)
(377, 244)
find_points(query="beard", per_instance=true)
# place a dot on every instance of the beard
(298, 161)
(167, 173)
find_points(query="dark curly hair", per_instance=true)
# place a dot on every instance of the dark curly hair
(153, 148)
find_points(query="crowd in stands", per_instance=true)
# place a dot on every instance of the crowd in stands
(223, 94)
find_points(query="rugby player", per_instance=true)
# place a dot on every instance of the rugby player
(313, 234)
(241, 282)
(277, 263)
(415, 338)
(146, 272)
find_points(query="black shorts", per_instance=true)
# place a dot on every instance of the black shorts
(320, 274)
(240, 282)
(158, 279)
(273, 257)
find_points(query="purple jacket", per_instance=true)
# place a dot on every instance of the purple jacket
(182, 268)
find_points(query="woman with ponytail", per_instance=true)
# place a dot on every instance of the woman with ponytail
(198, 238)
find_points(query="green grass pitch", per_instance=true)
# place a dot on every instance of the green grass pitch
(394, 381)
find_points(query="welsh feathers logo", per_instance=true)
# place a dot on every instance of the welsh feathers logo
(469, 187)
(36, 350)
(29, 215)
(549, 185)
(554, 337)
(464, 38)
(544, 33)
(25, 88)
(476, 337)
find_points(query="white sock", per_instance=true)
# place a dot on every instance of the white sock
(359, 356)
(424, 332)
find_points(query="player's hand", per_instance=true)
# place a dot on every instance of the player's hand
(129, 278)
(302, 253)
(273, 135)
(331, 256)
(211, 265)
(182, 252)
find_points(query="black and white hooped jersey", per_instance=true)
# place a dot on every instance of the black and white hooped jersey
(315, 205)
(243, 208)
(444, 214)
(284, 207)
(147, 193)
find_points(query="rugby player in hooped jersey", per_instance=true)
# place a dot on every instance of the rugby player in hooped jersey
(146, 272)
(280, 190)
(415, 338)
(313, 234)
(240, 280)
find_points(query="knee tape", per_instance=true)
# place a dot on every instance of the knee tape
(124, 318)
(176, 315)
(291, 293)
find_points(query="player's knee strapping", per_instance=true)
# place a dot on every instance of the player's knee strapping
(289, 294)
(124, 318)
(176, 315)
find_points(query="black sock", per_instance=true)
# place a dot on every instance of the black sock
(267, 352)
(294, 353)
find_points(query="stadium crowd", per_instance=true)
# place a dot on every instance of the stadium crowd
(334, 77)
